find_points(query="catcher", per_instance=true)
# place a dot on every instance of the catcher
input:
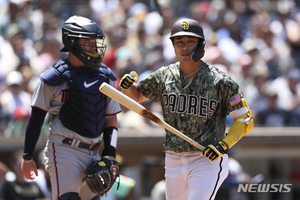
(69, 92)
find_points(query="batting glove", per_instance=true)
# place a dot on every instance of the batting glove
(126, 81)
(215, 151)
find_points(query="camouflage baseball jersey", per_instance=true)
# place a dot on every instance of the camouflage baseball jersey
(197, 109)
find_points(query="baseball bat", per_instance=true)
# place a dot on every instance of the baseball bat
(126, 101)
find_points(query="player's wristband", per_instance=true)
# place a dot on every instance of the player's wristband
(27, 157)
(222, 147)
(110, 137)
(27, 161)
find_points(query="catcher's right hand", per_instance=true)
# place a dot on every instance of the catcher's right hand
(29, 169)
(128, 79)
(99, 175)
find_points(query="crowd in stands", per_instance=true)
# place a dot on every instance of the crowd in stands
(257, 42)
(13, 184)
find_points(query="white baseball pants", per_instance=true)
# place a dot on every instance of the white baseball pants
(192, 176)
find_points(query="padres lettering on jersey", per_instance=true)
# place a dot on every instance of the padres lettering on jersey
(189, 104)
(197, 109)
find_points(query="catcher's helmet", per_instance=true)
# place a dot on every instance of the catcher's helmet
(77, 27)
(190, 27)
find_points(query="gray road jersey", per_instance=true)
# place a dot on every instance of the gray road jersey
(197, 109)
(50, 98)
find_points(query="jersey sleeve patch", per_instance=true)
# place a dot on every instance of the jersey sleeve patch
(235, 100)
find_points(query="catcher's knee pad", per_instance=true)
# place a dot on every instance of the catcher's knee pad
(70, 196)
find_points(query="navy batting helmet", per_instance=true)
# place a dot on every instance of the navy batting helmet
(190, 27)
(80, 27)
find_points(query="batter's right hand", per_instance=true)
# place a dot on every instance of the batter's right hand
(128, 79)
(29, 169)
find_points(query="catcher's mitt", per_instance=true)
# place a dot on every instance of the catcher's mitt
(99, 175)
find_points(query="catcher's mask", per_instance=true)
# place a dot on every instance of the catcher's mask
(77, 27)
(190, 27)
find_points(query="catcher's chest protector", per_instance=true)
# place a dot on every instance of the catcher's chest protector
(84, 110)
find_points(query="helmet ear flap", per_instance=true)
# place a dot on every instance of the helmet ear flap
(68, 44)
(199, 53)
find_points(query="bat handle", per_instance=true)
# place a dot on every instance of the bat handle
(134, 75)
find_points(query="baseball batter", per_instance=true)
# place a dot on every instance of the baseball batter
(195, 98)
(79, 113)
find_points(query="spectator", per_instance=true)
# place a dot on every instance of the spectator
(14, 18)
(14, 186)
(14, 96)
(244, 71)
(3, 170)
(273, 115)
(15, 48)
(273, 50)
(255, 93)
(267, 31)
(288, 89)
